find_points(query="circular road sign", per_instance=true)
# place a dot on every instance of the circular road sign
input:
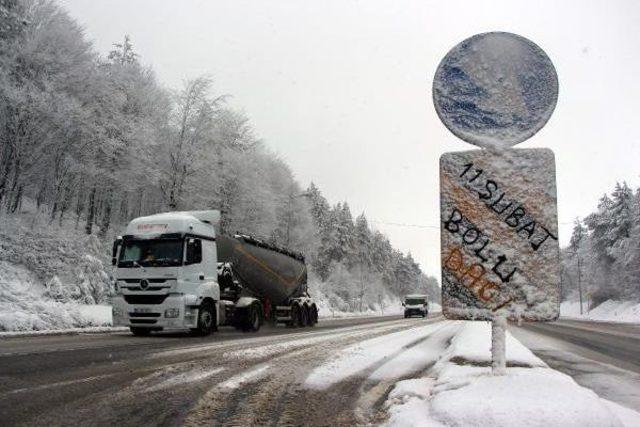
(495, 89)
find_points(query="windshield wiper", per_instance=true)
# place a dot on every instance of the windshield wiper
(135, 264)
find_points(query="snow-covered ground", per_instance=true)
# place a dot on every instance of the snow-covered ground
(457, 388)
(460, 390)
(25, 307)
(608, 311)
(50, 275)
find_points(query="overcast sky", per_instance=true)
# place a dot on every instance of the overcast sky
(342, 89)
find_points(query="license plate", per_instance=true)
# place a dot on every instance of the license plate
(142, 310)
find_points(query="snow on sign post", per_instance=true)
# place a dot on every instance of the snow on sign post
(499, 231)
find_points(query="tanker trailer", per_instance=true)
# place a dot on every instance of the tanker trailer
(261, 281)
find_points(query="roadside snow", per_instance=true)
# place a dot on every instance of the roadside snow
(24, 307)
(472, 344)
(525, 396)
(366, 354)
(608, 311)
(628, 417)
(406, 404)
(70, 331)
(461, 391)
(95, 314)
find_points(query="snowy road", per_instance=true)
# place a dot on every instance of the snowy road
(604, 357)
(338, 373)
(229, 378)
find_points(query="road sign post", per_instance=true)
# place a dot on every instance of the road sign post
(499, 228)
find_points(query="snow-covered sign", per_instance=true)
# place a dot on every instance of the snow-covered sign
(495, 89)
(500, 253)
(499, 235)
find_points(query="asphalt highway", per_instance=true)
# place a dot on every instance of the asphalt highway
(175, 379)
(115, 378)
(604, 357)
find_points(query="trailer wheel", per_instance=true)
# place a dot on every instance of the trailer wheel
(304, 316)
(295, 316)
(206, 319)
(313, 316)
(253, 319)
(140, 332)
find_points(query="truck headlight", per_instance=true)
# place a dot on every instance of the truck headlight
(171, 313)
(116, 312)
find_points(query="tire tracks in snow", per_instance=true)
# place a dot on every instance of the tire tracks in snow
(279, 397)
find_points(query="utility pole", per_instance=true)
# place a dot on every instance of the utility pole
(580, 282)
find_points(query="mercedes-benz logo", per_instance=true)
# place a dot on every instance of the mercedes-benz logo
(144, 284)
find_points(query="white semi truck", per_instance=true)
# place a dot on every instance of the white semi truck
(174, 271)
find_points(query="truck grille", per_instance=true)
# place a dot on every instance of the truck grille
(148, 280)
(144, 314)
(145, 299)
(143, 321)
(134, 284)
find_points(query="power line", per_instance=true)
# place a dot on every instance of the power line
(399, 224)
(436, 227)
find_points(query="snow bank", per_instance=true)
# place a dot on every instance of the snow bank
(608, 311)
(330, 306)
(472, 345)
(406, 404)
(24, 306)
(461, 391)
(50, 275)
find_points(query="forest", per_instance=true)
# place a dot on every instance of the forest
(91, 141)
(602, 260)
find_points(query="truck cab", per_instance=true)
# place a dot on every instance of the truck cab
(166, 273)
(415, 305)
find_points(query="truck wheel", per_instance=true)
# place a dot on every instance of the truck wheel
(253, 319)
(140, 332)
(206, 319)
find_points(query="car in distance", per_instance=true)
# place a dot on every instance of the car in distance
(415, 305)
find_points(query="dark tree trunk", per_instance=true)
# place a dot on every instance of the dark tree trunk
(106, 214)
(91, 211)
(17, 200)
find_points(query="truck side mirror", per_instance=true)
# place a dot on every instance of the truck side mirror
(194, 251)
(114, 250)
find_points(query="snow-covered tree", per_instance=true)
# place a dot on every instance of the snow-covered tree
(97, 141)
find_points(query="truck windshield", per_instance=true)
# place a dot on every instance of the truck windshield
(414, 301)
(151, 253)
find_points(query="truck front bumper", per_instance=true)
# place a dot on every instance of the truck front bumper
(414, 312)
(174, 312)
